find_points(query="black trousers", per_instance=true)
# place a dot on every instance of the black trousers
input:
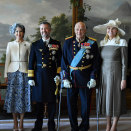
(39, 115)
(72, 97)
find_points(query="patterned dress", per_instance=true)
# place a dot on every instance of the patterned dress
(112, 100)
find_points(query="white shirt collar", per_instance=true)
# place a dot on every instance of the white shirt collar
(47, 41)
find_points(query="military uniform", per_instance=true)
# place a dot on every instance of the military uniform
(79, 75)
(129, 65)
(44, 64)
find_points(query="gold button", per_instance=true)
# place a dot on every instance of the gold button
(50, 54)
(84, 53)
(74, 45)
(42, 67)
(84, 57)
(74, 48)
(50, 66)
(74, 52)
(82, 61)
(49, 58)
(42, 53)
(42, 62)
(42, 58)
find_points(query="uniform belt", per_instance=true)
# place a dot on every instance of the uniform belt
(44, 65)
(80, 68)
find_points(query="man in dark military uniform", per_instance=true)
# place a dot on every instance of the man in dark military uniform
(80, 61)
(44, 64)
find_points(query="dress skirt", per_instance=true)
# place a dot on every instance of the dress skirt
(18, 94)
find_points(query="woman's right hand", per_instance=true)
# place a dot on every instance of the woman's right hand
(6, 80)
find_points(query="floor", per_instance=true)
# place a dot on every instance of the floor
(124, 124)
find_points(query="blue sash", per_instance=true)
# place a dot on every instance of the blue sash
(79, 56)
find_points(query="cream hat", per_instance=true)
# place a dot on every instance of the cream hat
(102, 28)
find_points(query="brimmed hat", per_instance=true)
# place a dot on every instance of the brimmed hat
(102, 28)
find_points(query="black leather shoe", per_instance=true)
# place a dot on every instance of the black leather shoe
(35, 129)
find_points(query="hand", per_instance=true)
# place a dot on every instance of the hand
(123, 84)
(91, 83)
(57, 79)
(6, 80)
(67, 83)
(31, 82)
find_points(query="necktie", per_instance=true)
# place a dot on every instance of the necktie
(45, 43)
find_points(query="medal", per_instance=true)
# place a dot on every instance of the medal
(87, 56)
(53, 57)
(79, 45)
(91, 56)
(53, 52)
(87, 51)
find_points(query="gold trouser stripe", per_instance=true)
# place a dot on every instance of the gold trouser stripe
(80, 68)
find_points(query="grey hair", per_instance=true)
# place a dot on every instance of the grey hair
(45, 23)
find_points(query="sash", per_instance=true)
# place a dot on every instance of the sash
(79, 56)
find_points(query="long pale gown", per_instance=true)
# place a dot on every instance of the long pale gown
(112, 100)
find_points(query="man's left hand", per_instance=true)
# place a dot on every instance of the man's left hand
(91, 83)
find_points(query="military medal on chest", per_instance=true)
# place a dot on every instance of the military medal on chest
(86, 45)
(53, 52)
(53, 47)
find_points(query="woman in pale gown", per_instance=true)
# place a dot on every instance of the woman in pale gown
(113, 49)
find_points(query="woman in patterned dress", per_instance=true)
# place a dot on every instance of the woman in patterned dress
(113, 49)
(17, 98)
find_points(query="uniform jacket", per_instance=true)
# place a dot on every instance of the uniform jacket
(129, 65)
(17, 57)
(44, 64)
(91, 57)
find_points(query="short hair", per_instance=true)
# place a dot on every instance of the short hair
(80, 22)
(45, 22)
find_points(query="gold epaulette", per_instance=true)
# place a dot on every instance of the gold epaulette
(68, 37)
(30, 73)
(92, 39)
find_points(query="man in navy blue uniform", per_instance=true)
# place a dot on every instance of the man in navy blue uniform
(80, 61)
(44, 64)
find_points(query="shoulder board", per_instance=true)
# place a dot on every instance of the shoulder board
(68, 37)
(92, 39)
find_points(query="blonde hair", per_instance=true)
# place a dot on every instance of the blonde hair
(117, 39)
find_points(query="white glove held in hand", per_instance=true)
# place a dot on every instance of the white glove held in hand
(67, 83)
(31, 82)
(57, 78)
(91, 83)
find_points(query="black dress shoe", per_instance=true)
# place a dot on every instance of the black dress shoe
(36, 129)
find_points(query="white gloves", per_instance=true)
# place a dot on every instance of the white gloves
(57, 79)
(31, 82)
(67, 83)
(91, 83)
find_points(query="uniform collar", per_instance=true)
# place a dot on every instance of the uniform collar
(47, 41)
(81, 40)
